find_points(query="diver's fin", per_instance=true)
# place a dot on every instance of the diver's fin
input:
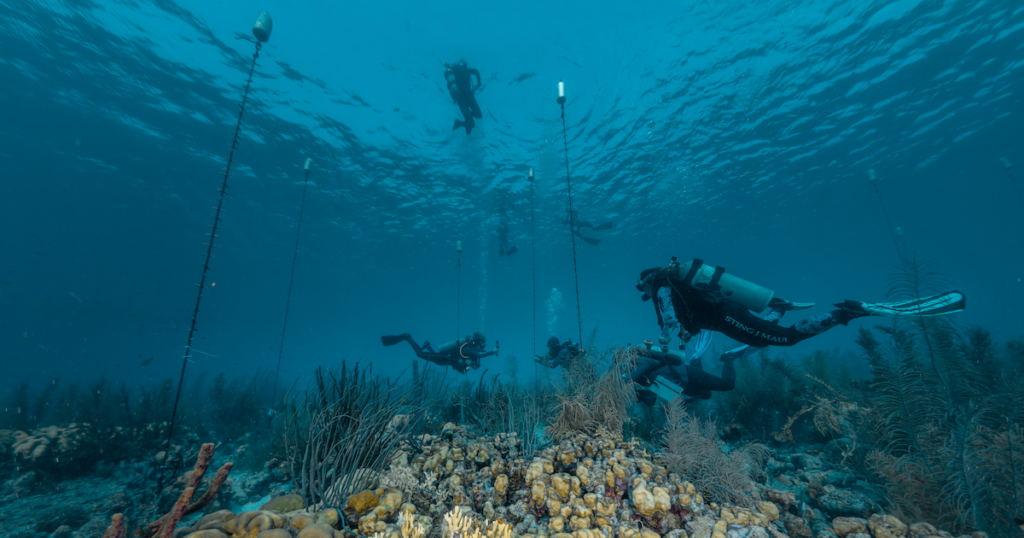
(738, 353)
(786, 306)
(701, 343)
(392, 340)
(936, 305)
(605, 226)
(511, 251)
(458, 123)
(592, 241)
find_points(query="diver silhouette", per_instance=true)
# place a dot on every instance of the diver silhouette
(461, 354)
(460, 88)
(580, 224)
(503, 247)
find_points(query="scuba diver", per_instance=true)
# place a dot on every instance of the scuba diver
(461, 90)
(693, 296)
(504, 249)
(662, 373)
(559, 354)
(461, 354)
(580, 224)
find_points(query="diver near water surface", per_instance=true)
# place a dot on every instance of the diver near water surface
(503, 247)
(693, 296)
(580, 224)
(461, 354)
(559, 353)
(460, 88)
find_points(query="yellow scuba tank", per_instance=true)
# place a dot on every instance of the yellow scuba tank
(735, 289)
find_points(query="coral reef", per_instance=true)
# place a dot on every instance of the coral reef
(928, 447)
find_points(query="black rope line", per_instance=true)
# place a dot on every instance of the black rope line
(291, 280)
(210, 246)
(458, 294)
(533, 260)
(572, 224)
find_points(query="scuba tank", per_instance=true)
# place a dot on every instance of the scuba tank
(455, 346)
(449, 347)
(453, 88)
(660, 354)
(735, 289)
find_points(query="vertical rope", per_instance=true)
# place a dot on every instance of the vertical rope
(291, 280)
(1013, 466)
(572, 226)
(458, 294)
(210, 246)
(533, 259)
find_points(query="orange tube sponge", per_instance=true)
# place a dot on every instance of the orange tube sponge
(116, 528)
(176, 513)
(164, 526)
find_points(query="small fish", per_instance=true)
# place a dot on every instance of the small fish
(146, 362)
(522, 77)
(75, 297)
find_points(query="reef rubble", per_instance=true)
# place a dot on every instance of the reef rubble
(456, 483)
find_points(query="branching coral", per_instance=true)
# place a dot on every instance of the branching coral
(399, 477)
(946, 423)
(694, 451)
(589, 401)
(461, 526)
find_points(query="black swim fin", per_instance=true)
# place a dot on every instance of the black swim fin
(592, 241)
(392, 340)
(605, 226)
(458, 123)
(511, 251)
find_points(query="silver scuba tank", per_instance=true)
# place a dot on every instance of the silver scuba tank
(744, 292)
(449, 347)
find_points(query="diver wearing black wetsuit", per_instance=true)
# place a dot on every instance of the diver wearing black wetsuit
(461, 355)
(461, 89)
(695, 382)
(559, 354)
(580, 224)
(693, 296)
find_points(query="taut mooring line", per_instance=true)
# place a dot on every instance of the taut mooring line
(261, 30)
(572, 223)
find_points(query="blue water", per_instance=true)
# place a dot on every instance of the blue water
(737, 132)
